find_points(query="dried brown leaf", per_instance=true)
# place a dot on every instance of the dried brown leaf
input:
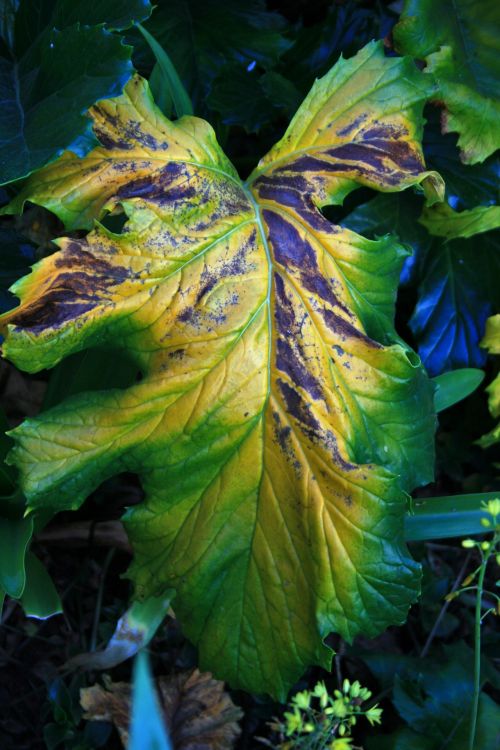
(198, 712)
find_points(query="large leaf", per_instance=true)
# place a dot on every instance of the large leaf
(459, 41)
(58, 65)
(279, 417)
(455, 298)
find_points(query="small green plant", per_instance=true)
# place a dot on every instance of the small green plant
(487, 549)
(317, 720)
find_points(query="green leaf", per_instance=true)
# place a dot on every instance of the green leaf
(445, 517)
(43, 111)
(452, 387)
(438, 703)
(280, 418)
(39, 598)
(491, 342)
(61, 61)
(467, 185)
(147, 728)
(15, 535)
(169, 78)
(251, 99)
(403, 739)
(345, 28)
(202, 36)
(443, 221)
(397, 215)
(31, 23)
(458, 40)
(455, 297)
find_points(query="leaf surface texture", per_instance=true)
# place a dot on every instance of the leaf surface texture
(279, 418)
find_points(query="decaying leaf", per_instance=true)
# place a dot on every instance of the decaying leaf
(199, 714)
(279, 418)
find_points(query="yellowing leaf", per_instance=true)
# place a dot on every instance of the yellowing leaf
(279, 418)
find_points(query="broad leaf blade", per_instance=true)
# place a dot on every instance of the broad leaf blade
(458, 39)
(44, 99)
(455, 298)
(454, 386)
(279, 417)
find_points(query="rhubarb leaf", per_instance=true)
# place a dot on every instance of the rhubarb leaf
(279, 418)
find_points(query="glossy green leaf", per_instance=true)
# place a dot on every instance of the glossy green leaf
(15, 535)
(445, 517)
(39, 598)
(459, 41)
(457, 291)
(454, 386)
(147, 728)
(169, 78)
(280, 417)
(61, 61)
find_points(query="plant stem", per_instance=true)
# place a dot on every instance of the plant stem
(477, 654)
(445, 606)
(100, 593)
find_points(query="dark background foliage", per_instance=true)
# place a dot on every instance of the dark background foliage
(246, 65)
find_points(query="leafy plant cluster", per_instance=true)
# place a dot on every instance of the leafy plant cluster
(175, 325)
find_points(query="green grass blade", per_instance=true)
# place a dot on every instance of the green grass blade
(444, 517)
(171, 80)
(452, 387)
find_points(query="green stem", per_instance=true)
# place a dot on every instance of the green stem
(477, 654)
